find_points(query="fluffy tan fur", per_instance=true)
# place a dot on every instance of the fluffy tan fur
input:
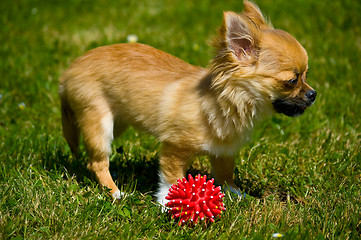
(190, 109)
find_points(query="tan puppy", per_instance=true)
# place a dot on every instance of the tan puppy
(257, 70)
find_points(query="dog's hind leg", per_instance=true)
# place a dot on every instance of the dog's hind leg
(70, 127)
(97, 126)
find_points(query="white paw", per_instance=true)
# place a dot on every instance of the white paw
(118, 195)
(163, 192)
(238, 192)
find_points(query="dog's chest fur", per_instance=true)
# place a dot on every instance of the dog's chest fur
(215, 123)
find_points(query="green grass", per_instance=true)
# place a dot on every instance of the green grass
(303, 173)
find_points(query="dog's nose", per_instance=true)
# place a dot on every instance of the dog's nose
(311, 95)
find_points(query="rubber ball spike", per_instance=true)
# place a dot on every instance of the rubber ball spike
(200, 201)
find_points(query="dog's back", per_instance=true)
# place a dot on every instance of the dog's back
(116, 79)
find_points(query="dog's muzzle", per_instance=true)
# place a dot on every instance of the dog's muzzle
(295, 106)
(311, 95)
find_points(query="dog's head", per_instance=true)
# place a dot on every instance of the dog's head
(271, 62)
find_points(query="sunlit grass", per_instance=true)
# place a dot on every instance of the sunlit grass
(302, 174)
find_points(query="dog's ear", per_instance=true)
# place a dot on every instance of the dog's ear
(252, 11)
(241, 36)
(241, 33)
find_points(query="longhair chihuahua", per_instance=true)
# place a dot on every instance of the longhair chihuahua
(257, 70)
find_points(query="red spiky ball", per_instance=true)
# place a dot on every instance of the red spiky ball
(194, 200)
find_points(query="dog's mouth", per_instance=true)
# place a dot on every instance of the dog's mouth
(290, 107)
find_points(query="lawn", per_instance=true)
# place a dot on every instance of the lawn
(303, 174)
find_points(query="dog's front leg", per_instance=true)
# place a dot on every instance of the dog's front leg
(222, 170)
(174, 162)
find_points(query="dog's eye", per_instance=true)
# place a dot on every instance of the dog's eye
(293, 81)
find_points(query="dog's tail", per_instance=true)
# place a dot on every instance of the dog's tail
(71, 130)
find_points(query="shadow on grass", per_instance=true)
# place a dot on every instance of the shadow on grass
(131, 169)
(258, 188)
(135, 171)
(62, 160)
(140, 172)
